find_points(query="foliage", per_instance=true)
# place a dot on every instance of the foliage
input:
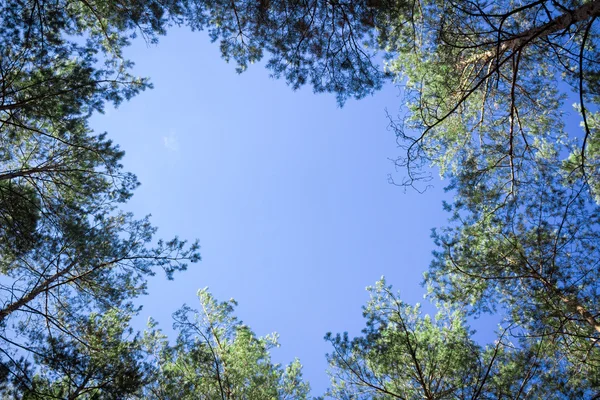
(486, 84)
(86, 258)
(404, 355)
(19, 213)
(103, 362)
(323, 43)
(71, 262)
(532, 257)
(328, 44)
(218, 357)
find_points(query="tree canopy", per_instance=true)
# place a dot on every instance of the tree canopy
(405, 355)
(485, 83)
(216, 356)
(486, 87)
(71, 261)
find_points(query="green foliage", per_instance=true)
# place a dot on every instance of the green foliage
(103, 362)
(69, 258)
(531, 257)
(218, 357)
(19, 216)
(485, 86)
(324, 43)
(404, 355)
(76, 47)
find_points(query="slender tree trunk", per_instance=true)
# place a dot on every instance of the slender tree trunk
(520, 40)
(14, 306)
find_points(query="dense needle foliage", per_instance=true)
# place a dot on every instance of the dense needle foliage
(485, 86)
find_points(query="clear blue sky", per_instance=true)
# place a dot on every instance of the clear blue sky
(287, 193)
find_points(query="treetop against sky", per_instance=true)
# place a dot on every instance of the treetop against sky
(288, 194)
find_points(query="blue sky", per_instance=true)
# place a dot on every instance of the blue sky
(287, 193)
